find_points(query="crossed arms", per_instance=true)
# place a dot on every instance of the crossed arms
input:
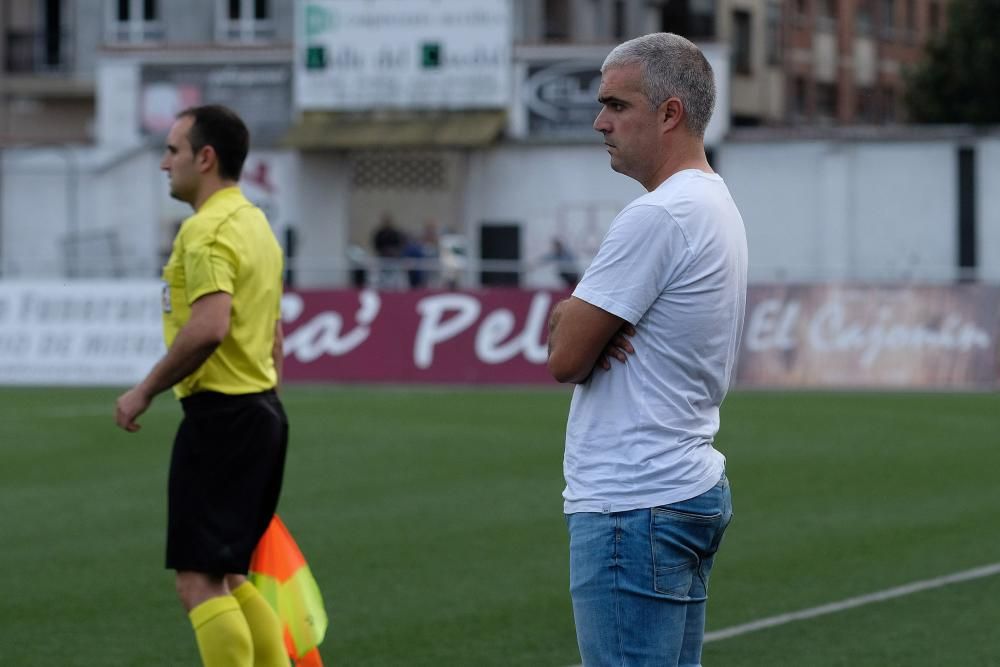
(583, 337)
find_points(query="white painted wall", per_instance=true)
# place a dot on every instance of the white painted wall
(124, 187)
(988, 208)
(564, 191)
(117, 82)
(814, 210)
(103, 199)
(903, 206)
(116, 202)
(787, 194)
(845, 210)
(324, 192)
(34, 216)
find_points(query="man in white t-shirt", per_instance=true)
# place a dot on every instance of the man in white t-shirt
(647, 499)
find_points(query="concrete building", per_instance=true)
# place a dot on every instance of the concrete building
(51, 48)
(845, 59)
(46, 72)
(792, 62)
(750, 32)
(90, 88)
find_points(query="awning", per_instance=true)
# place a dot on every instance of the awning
(318, 130)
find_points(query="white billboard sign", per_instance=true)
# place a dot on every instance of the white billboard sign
(79, 333)
(402, 54)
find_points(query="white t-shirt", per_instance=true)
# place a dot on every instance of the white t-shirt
(674, 265)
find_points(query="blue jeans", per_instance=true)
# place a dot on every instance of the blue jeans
(639, 580)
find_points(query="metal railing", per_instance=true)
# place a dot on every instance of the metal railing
(34, 52)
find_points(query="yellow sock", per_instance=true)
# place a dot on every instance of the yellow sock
(265, 628)
(222, 633)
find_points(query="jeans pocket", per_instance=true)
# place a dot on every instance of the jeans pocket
(675, 582)
(684, 538)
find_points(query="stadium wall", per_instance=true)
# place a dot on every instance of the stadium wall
(847, 211)
(74, 213)
(988, 209)
(816, 211)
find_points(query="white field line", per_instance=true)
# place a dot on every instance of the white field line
(851, 603)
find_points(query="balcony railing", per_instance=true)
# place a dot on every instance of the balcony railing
(135, 32)
(36, 52)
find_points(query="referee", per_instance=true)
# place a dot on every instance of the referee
(221, 309)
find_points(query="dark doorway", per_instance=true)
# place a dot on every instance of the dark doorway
(967, 255)
(500, 243)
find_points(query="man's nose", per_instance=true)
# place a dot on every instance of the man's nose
(599, 123)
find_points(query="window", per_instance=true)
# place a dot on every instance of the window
(618, 19)
(934, 17)
(826, 101)
(866, 105)
(773, 33)
(702, 18)
(694, 19)
(136, 10)
(912, 29)
(800, 16)
(800, 98)
(556, 21)
(888, 19)
(243, 20)
(863, 18)
(827, 19)
(888, 104)
(133, 21)
(52, 40)
(37, 42)
(741, 42)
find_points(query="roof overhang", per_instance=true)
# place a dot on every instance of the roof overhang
(323, 130)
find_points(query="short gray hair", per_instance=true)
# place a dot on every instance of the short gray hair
(671, 66)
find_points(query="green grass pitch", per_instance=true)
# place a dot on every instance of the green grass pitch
(431, 518)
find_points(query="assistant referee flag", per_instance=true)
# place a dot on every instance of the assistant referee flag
(281, 574)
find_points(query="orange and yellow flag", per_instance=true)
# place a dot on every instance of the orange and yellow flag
(280, 573)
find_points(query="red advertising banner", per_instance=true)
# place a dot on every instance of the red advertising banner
(484, 336)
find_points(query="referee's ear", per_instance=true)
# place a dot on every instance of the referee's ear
(207, 161)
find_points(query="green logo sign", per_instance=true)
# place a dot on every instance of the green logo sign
(316, 57)
(430, 55)
(319, 20)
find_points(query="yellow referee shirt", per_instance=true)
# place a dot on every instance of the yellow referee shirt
(227, 246)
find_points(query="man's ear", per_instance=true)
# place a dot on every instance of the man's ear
(206, 159)
(670, 113)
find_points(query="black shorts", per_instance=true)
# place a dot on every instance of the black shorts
(225, 479)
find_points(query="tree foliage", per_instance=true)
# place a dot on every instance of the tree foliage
(958, 79)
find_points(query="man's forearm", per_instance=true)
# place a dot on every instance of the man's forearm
(579, 334)
(554, 318)
(186, 355)
(555, 341)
